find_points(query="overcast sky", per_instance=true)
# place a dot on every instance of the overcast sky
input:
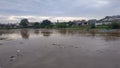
(37, 10)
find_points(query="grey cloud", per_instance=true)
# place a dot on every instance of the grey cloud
(76, 8)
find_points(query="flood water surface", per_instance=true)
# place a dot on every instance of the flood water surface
(50, 48)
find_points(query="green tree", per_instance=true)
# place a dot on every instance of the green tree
(115, 25)
(36, 25)
(92, 25)
(46, 24)
(61, 25)
(70, 24)
(24, 23)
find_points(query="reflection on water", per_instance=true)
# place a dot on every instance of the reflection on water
(25, 34)
(45, 48)
(31, 33)
(36, 32)
(111, 36)
(46, 33)
(107, 36)
(63, 32)
(4, 33)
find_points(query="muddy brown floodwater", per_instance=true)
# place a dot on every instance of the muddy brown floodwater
(44, 48)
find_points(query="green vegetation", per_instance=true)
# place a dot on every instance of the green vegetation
(102, 27)
(24, 23)
(115, 25)
(36, 25)
(9, 26)
(46, 24)
(61, 25)
(92, 26)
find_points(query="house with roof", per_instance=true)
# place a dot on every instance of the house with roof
(108, 20)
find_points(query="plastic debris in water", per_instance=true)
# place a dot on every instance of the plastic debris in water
(12, 58)
(76, 47)
(19, 53)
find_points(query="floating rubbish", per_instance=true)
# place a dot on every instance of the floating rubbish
(12, 58)
(59, 46)
(54, 44)
(18, 53)
(76, 47)
(63, 46)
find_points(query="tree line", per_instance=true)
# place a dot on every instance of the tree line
(24, 23)
(48, 24)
